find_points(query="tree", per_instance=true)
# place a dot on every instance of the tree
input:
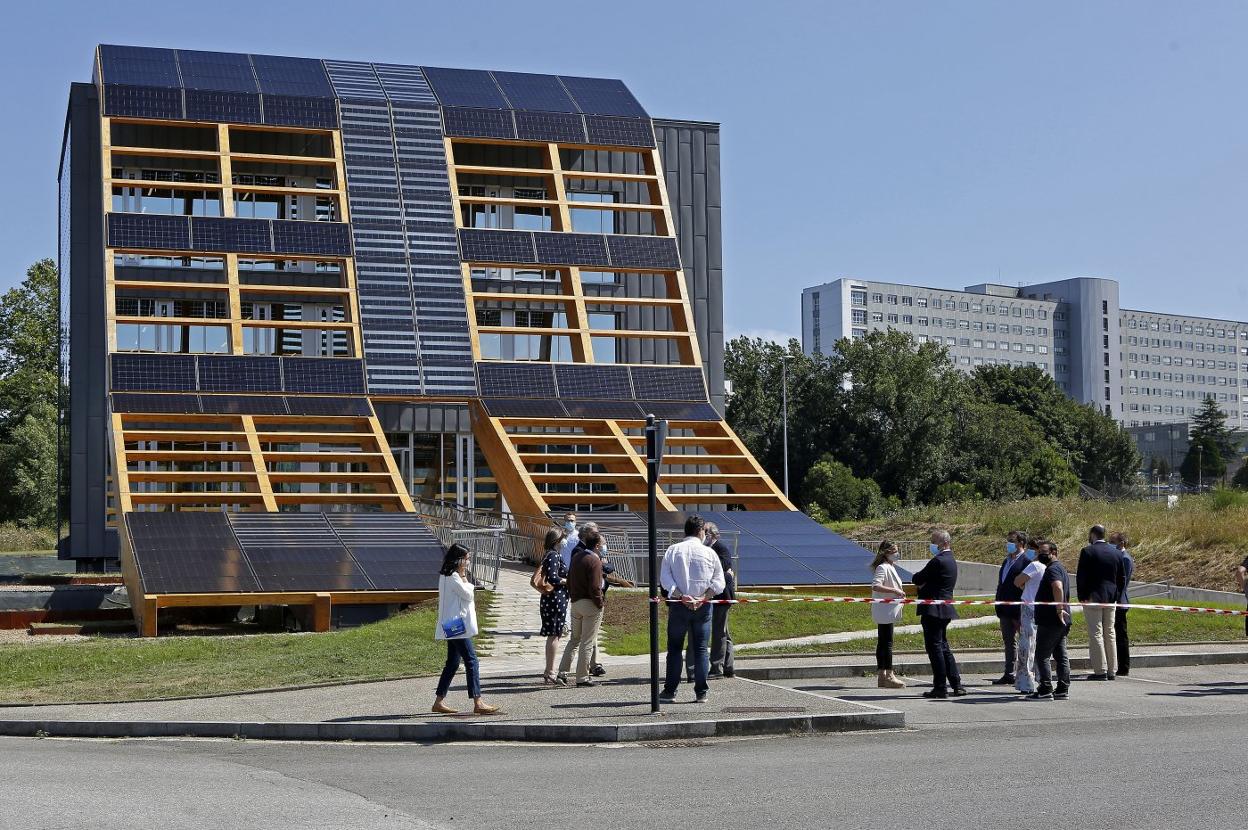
(1210, 423)
(1240, 480)
(1003, 455)
(1159, 467)
(832, 492)
(1203, 462)
(29, 385)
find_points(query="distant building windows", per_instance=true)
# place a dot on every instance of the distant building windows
(858, 298)
(907, 320)
(892, 318)
(922, 321)
(922, 302)
(858, 317)
(858, 334)
(877, 317)
(877, 298)
(892, 299)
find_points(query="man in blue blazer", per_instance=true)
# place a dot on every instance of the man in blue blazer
(1009, 615)
(1101, 578)
(936, 581)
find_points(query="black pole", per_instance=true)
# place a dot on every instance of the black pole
(652, 482)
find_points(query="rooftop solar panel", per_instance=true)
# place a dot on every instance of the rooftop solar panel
(303, 77)
(541, 93)
(139, 66)
(222, 71)
(478, 123)
(611, 382)
(523, 408)
(644, 252)
(230, 107)
(603, 96)
(152, 373)
(516, 380)
(559, 127)
(174, 404)
(143, 101)
(464, 88)
(300, 111)
(668, 383)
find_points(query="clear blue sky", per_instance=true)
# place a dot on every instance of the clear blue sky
(939, 143)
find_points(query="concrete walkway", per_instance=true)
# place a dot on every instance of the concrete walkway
(515, 620)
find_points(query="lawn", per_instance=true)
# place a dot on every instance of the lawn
(1198, 543)
(133, 668)
(626, 621)
(1146, 627)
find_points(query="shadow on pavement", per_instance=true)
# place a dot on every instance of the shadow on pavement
(1207, 690)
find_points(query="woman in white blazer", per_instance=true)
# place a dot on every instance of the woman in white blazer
(457, 624)
(886, 585)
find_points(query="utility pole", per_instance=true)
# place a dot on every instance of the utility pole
(656, 436)
(784, 416)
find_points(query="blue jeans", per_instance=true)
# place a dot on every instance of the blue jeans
(697, 624)
(457, 651)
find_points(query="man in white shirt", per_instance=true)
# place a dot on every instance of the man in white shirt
(693, 574)
(1029, 580)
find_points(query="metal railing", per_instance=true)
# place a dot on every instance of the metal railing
(906, 548)
(486, 547)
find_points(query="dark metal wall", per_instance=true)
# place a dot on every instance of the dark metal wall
(88, 416)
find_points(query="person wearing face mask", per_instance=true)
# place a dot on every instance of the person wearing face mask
(1028, 582)
(1052, 626)
(1007, 591)
(937, 580)
(1122, 645)
(886, 585)
(572, 539)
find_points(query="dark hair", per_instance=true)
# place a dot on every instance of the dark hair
(694, 525)
(1020, 538)
(553, 537)
(1120, 538)
(591, 539)
(1097, 532)
(885, 547)
(455, 554)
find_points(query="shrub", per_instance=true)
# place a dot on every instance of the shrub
(1225, 498)
(954, 492)
(831, 492)
(1241, 477)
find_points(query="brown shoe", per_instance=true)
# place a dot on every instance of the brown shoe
(441, 708)
(485, 709)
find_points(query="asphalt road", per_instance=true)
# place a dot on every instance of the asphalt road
(1165, 749)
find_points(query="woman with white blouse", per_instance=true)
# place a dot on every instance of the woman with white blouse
(457, 625)
(886, 585)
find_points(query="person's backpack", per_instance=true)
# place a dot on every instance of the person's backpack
(538, 580)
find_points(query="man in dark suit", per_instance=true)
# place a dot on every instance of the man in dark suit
(1009, 615)
(936, 581)
(1101, 576)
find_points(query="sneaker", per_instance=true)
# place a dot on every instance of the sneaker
(1098, 677)
(597, 670)
(936, 694)
(1061, 692)
(1004, 680)
(716, 675)
(1045, 692)
(584, 684)
(667, 697)
(702, 697)
(960, 692)
(729, 673)
(1110, 676)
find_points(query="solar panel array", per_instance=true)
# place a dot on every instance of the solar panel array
(216, 86)
(603, 251)
(545, 390)
(210, 552)
(216, 234)
(786, 547)
(236, 373)
(185, 404)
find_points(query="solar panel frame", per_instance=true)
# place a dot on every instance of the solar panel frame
(558, 127)
(300, 111)
(619, 132)
(243, 404)
(603, 96)
(138, 403)
(223, 106)
(217, 71)
(669, 383)
(227, 234)
(143, 101)
(464, 88)
(310, 567)
(304, 237)
(300, 77)
(680, 410)
(188, 552)
(331, 407)
(623, 410)
(139, 66)
(516, 380)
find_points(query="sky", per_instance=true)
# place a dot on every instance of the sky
(932, 143)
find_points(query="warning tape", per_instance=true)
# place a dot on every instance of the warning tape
(1190, 609)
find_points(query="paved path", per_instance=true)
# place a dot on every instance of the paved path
(515, 623)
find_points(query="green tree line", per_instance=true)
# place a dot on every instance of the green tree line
(29, 383)
(888, 420)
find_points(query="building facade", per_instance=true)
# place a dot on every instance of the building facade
(292, 285)
(1143, 368)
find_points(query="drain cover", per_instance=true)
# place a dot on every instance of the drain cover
(758, 710)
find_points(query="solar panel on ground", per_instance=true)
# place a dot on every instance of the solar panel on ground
(397, 552)
(187, 552)
(310, 567)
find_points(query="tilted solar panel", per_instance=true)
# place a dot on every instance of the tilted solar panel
(563, 128)
(516, 380)
(223, 71)
(479, 245)
(541, 93)
(465, 122)
(612, 382)
(217, 105)
(619, 132)
(603, 96)
(143, 101)
(172, 404)
(644, 252)
(138, 66)
(152, 373)
(188, 552)
(464, 88)
(668, 383)
(523, 408)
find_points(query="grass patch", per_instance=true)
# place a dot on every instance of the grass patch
(1145, 627)
(1198, 543)
(32, 540)
(626, 621)
(133, 669)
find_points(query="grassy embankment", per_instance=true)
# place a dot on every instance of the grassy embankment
(133, 669)
(1197, 544)
(17, 539)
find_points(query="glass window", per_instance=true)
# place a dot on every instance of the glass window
(857, 297)
(907, 301)
(892, 299)
(892, 318)
(907, 320)
(922, 321)
(877, 298)
(922, 301)
(877, 317)
(859, 316)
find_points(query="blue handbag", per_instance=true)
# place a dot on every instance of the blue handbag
(454, 627)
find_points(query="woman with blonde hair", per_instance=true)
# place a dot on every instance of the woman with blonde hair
(886, 585)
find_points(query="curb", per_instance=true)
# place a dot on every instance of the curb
(919, 669)
(458, 731)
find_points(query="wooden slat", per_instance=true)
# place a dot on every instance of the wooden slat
(187, 455)
(207, 436)
(530, 458)
(392, 466)
(513, 478)
(340, 498)
(488, 170)
(609, 177)
(257, 462)
(196, 498)
(317, 161)
(190, 476)
(222, 321)
(639, 465)
(329, 477)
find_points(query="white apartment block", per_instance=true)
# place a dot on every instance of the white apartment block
(1141, 367)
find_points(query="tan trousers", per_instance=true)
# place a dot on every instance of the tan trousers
(586, 618)
(1102, 650)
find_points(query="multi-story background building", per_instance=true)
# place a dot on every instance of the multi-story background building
(1141, 367)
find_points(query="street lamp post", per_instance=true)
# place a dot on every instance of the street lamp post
(784, 416)
(1200, 468)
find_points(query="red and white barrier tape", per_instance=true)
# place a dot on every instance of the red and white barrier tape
(1190, 609)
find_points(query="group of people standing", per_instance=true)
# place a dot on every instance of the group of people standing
(1034, 631)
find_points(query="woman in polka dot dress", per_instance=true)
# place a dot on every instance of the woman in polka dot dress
(554, 605)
